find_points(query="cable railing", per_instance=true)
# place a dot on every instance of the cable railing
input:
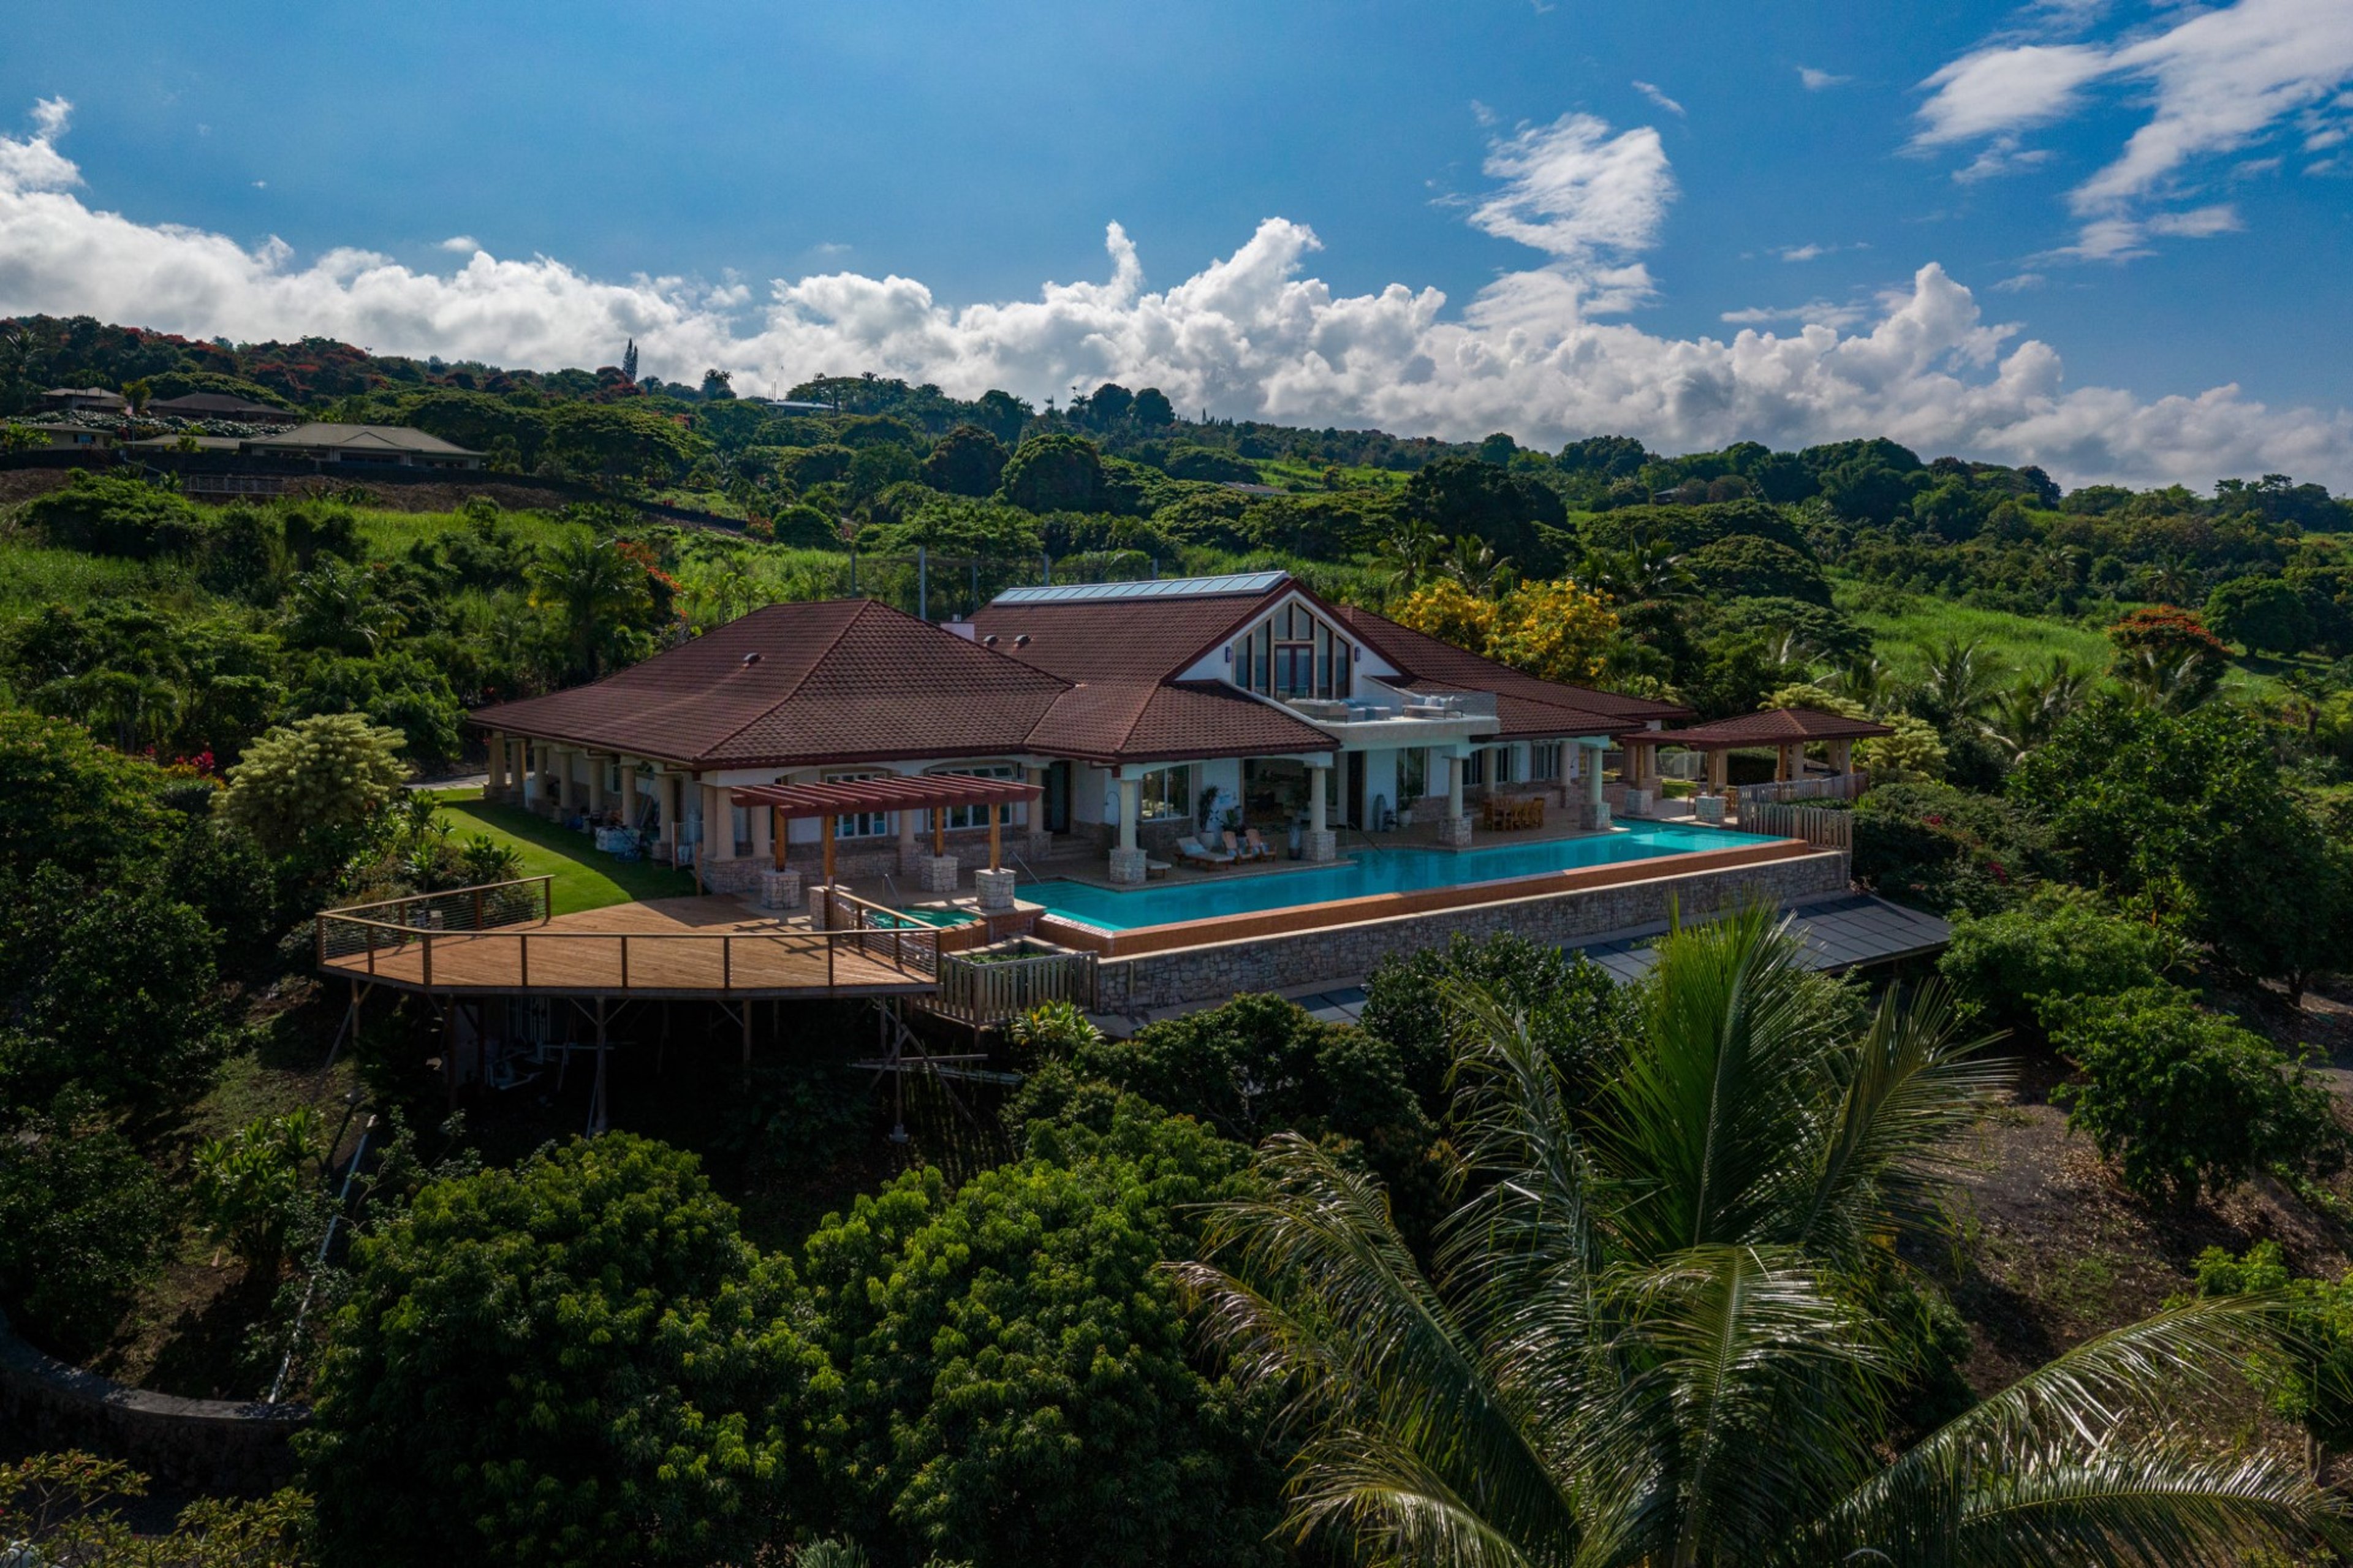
(496, 938)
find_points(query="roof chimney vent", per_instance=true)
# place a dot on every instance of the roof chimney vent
(989, 641)
(1022, 640)
(750, 659)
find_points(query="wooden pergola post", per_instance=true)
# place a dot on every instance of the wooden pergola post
(939, 832)
(777, 834)
(996, 838)
(831, 825)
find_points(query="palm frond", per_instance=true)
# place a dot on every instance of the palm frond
(2091, 1425)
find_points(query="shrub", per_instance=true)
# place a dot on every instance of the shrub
(112, 988)
(63, 1508)
(2005, 964)
(1573, 1009)
(571, 1363)
(314, 781)
(1915, 753)
(2307, 1378)
(109, 515)
(67, 801)
(1947, 848)
(2183, 1100)
(1010, 1360)
(248, 1185)
(84, 1222)
(1053, 473)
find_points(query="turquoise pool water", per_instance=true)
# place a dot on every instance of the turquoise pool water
(1371, 872)
(937, 918)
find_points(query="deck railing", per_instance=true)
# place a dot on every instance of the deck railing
(877, 928)
(344, 931)
(985, 990)
(495, 938)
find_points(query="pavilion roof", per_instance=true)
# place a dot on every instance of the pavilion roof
(847, 797)
(1774, 726)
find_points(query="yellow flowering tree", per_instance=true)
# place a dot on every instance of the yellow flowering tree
(1443, 608)
(1555, 631)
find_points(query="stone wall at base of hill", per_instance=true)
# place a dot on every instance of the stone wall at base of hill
(203, 1445)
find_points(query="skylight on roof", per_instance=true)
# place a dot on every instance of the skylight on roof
(1235, 583)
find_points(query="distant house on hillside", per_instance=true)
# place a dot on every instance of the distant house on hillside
(378, 445)
(72, 437)
(83, 400)
(221, 406)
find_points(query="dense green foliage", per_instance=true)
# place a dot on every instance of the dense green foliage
(1658, 1334)
(1014, 1383)
(2183, 1100)
(2006, 966)
(576, 1362)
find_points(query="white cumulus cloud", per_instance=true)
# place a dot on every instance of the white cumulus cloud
(1253, 334)
(2214, 81)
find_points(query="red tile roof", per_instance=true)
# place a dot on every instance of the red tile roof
(1775, 727)
(853, 680)
(793, 685)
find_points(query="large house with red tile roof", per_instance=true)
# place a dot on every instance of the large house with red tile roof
(1144, 711)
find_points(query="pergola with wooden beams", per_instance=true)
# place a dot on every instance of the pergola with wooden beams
(1788, 731)
(934, 792)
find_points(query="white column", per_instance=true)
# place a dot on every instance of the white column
(495, 785)
(718, 824)
(1453, 784)
(599, 797)
(670, 794)
(1318, 779)
(1131, 804)
(1589, 758)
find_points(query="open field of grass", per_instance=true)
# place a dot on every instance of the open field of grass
(1353, 476)
(2021, 642)
(585, 878)
(35, 574)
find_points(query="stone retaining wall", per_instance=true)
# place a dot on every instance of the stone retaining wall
(1278, 963)
(203, 1445)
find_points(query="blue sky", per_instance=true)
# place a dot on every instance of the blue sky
(2094, 175)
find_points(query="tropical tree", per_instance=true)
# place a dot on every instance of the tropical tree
(2026, 715)
(594, 593)
(1650, 1335)
(1959, 685)
(1473, 562)
(1644, 570)
(1406, 555)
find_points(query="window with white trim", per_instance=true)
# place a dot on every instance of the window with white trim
(860, 824)
(1294, 653)
(1475, 769)
(1413, 774)
(1545, 760)
(1165, 793)
(977, 816)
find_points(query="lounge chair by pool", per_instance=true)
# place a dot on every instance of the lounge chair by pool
(1190, 849)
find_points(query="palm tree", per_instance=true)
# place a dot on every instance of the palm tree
(2172, 682)
(1408, 556)
(1473, 562)
(592, 590)
(1648, 1339)
(2038, 703)
(2312, 689)
(1959, 685)
(1645, 569)
(1862, 678)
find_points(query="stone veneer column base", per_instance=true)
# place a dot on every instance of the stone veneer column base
(1454, 832)
(1708, 808)
(1324, 845)
(1601, 817)
(995, 889)
(1127, 866)
(1638, 803)
(780, 890)
(937, 874)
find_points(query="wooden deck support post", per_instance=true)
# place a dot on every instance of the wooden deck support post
(598, 1118)
(747, 1036)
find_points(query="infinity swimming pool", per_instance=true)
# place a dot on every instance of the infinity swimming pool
(1401, 870)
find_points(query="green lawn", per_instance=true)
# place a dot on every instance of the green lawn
(585, 878)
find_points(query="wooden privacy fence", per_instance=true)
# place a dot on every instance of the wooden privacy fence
(986, 990)
(1818, 825)
(1829, 786)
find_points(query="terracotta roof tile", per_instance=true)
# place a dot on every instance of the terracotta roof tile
(1777, 726)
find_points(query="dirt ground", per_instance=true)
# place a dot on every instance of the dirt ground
(2050, 1249)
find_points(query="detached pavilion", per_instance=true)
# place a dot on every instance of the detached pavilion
(1788, 731)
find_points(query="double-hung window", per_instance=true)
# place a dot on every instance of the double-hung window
(1544, 760)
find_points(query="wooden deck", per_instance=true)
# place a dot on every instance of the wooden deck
(696, 948)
